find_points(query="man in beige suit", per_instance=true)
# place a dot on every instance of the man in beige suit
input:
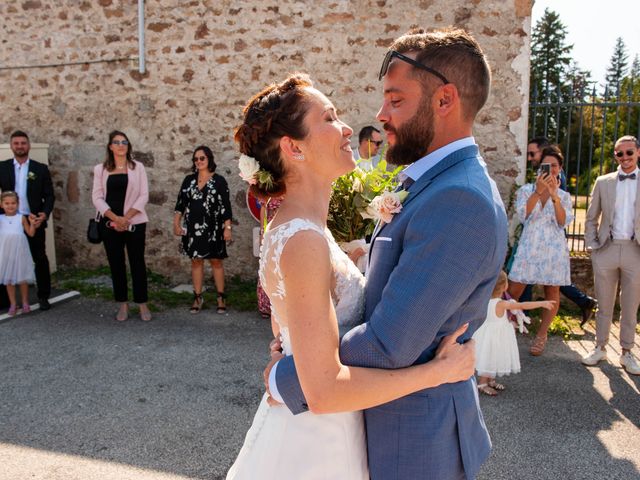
(612, 234)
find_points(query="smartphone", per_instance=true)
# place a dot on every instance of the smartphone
(545, 169)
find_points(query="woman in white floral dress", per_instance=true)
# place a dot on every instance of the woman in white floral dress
(542, 257)
(292, 141)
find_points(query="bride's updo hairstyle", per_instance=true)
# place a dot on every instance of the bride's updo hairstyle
(277, 111)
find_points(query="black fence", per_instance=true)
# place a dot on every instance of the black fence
(585, 125)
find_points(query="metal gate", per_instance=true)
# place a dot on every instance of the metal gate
(585, 125)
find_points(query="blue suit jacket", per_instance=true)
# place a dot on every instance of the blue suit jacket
(432, 269)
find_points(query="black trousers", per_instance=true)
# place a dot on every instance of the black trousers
(38, 247)
(114, 245)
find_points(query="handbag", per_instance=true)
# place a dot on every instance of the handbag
(93, 230)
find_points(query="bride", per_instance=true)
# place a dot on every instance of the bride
(293, 142)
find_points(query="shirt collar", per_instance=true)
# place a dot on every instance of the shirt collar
(423, 165)
(636, 171)
(17, 164)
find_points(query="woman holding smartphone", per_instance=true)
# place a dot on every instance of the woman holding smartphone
(542, 257)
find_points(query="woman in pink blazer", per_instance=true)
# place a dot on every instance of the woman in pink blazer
(120, 194)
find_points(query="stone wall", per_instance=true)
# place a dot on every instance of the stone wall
(204, 59)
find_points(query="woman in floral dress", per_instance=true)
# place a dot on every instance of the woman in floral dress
(203, 219)
(542, 257)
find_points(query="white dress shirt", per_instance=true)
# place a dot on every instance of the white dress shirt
(624, 212)
(21, 172)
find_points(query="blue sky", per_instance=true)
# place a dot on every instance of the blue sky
(593, 26)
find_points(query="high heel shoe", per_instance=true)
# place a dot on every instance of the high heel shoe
(222, 309)
(198, 301)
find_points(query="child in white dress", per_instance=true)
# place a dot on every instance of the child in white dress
(496, 345)
(16, 263)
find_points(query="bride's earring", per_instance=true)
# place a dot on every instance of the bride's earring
(298, 156)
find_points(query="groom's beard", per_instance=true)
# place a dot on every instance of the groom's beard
(414, 137)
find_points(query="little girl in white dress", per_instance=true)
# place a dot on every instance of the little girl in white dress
(16, 264)
(496, 345)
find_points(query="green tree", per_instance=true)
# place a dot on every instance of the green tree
(635, 68)
(578, 82)
(617, 69)
(550, 54)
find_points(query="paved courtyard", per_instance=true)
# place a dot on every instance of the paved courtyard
(84, 398)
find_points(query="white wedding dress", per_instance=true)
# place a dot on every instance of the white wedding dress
(305, 446)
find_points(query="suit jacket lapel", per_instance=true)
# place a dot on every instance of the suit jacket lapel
(425, 180)
(611, 195)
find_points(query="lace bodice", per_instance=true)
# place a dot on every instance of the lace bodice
(347, 294)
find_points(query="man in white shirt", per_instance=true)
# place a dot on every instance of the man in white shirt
(369, 144)
(612, 234)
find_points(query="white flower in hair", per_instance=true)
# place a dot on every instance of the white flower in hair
(249, 167)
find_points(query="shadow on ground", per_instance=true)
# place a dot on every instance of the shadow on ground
(561, 420)
(174, 398)
(174, 395)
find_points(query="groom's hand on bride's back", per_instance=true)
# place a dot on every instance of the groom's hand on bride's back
(275, 350)
(457, 360)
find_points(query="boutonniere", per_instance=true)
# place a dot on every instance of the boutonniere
(31, 176)
(386, 205)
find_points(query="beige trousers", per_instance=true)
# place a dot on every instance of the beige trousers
(618, 261)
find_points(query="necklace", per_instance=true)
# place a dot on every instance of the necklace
(121, 167)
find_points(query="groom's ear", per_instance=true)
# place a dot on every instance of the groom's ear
(290, 148)
(446, 99)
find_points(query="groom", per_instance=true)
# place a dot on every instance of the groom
(433, 267)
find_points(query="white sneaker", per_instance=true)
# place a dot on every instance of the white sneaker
(629, 363)
(594, 357)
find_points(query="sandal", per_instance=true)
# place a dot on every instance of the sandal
(13, 309)
(537, 346)
(222, 309)
(123, 314)
(198, 301)
(497, 386)
(26, 308)
(145, 315)
(487, 389)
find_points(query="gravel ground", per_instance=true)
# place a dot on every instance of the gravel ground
(85, 397)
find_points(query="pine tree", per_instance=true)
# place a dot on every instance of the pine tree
(579, 82)
(635, 69)
(617, 69)
(550, 54)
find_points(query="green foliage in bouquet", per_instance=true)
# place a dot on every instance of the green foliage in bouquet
(352, 194)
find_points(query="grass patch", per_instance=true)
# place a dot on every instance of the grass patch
(96, 283)
(564, 326)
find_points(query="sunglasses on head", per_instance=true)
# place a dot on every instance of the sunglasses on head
(200, 159)
(391, 54)
(629, 153)
(119, 142)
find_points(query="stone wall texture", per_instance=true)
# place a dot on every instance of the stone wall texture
(204, 59)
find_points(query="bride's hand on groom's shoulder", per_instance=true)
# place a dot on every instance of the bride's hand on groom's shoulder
(457, 360)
